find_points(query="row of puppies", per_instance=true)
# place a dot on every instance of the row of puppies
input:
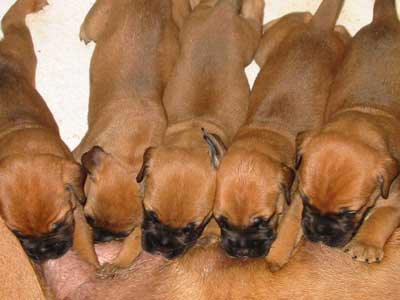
(170, 227)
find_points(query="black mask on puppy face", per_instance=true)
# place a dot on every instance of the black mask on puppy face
(334, 230)
(253, 241)
(158, 238)
(48, 246)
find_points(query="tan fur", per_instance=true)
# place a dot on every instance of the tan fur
(316, 272)
(208, 89)
(353, 160)
(40, 183)
(22, 283)
(290, 94)
(136, 48)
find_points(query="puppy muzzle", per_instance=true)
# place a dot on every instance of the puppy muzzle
(102, 235)
(332, 230)
(49, 246)
(161, 239)
(244, 244)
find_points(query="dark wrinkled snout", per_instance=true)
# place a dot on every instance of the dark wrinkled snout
(158, 238)
(334, 230)
(49, 246)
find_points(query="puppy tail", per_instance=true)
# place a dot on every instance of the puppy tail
(16, 15)
(385, 10)
(327, 14)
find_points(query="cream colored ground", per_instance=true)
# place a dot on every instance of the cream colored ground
(63, 61)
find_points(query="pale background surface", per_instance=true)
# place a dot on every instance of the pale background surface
(63, 61)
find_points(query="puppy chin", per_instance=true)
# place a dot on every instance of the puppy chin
(169, 249)
(335, 241)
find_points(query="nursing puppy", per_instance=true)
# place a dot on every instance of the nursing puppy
(40, 183)
(348, 168)
(206, 102)
(298, 55)
(136, 49)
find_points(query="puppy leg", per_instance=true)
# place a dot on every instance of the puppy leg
(17, 45)
(289, 234)
(83, 238)
(367, 245)
(131, 248)
(95, 21)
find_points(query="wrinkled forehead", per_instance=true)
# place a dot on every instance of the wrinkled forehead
(331, 183)
(180, 192)
(32, 198)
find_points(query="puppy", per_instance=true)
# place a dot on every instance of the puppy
(206, 102)
(348, 168)
(136, 49)
(298, 56)
(40, 183)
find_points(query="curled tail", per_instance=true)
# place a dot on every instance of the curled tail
(385, 10)
(327, 14)
(16, 15)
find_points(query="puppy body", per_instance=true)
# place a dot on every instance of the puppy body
(206, 102)
(298, 55)
(41, 188)
(358, 149)
(136, 48)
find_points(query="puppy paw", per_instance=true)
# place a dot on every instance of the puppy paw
(275, 263)
(364, 252)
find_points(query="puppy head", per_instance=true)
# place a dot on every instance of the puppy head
(252, 190)
(113, 207)
(178, 189)
(38, 194)
(339, 181)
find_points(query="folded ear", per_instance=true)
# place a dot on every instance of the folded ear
(145, 165)
(92, 159)
(74, 176)
(302, 139)
(389, 171)
(216, 147)
(286, 182)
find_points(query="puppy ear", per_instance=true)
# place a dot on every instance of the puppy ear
(389, 171)
(302, 139)
(145, 166)
(74, 177)
(216, 147)
(288, 175)
(92, 159)
(180, 10)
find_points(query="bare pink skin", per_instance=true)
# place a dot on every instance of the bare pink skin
(71, 278)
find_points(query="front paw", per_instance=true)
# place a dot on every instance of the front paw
(364, 252)
(275, 263)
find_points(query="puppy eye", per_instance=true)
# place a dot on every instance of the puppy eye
(304, 197)
(257, 222)
(222, 222)
(152, 216)
(57, 226)
(188, 229)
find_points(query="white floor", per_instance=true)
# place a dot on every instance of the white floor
(63, 61)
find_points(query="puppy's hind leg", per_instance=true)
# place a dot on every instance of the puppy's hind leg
(17, 46)
(95, 21)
